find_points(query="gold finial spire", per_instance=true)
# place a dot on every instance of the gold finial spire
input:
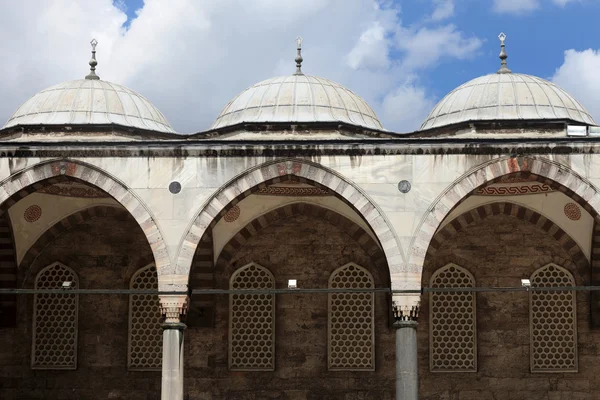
(299, 56)
(92, 75)
(503, 56)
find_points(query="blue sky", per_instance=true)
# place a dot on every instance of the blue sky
(536, 40)
(190, 57)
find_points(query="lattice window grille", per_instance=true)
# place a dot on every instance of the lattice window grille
(553, 321)
(452, 322)
(351, 343)
(54, 341)
(252, 321)
(145, 330)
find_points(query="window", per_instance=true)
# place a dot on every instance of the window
(351, 320)
(252, 320)
(55, 319)
(553, 321)
(145, 331)
(452, 328)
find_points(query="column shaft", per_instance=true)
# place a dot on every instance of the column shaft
(407, 376)
(172, 363)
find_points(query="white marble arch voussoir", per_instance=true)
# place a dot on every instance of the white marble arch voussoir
(579, 188)
(244, 183)
(94, 176)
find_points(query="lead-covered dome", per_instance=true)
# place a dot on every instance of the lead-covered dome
(298, 98)
(89, 101)
(506, 96)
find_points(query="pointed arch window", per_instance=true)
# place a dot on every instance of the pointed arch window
(553, 321)
(452, 322)
(54, 341)
(145, 330)
(351, 320)
(252, 320)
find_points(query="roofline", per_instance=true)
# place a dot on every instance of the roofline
(295, 148)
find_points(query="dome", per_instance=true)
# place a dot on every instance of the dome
(298, 98)
(89, 101)
(506, 96)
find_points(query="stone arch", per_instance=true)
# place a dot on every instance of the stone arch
(517, 211)
(550, 172)
(203, 268)
(357, 233)
(261, 176)
(33, 178)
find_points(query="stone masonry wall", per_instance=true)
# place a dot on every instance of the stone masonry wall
(104, 252)
(500, 251)
(306, 249)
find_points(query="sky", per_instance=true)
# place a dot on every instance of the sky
(191, 57)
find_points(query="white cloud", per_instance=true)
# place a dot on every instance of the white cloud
(515, 6)
(371, 50)
(407, 106)
(190, 58)
(426, 46)
(443, 9)
(578, 75)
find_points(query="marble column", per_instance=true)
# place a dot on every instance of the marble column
(407, 375)
(174, 308)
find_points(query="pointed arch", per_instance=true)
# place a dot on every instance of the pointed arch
(54, 338)
(35, 177)
(514, 210)
(260, 176)
(553, 321)
(351, 320)
(452, 322)
(252, 320)
(550, 172)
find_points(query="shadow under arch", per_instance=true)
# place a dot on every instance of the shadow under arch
(26, 181)
(274, 171)
(521, 212)
(557, 175)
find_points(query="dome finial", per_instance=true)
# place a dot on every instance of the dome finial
(503, 56)
(299, 56)
(92, 75)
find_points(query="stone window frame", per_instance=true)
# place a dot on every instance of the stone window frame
(130, 330)
(473, 315)
(272, 337)
(532, 341)
(75, 329)
(330, 315)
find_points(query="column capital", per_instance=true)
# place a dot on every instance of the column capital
(405, 316)
(174, 307)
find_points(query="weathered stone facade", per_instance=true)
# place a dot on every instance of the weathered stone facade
(311, 251)
(104, 252)
(298, 176)
(499, 251)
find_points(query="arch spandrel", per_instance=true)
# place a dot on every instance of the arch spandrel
(569, 182)
(242, 186)
(28, 180)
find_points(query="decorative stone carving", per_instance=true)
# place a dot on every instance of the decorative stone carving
(572, 211)
(32, 213)
(55, 320)
(351, 320)
(173, 307)
(553, 321)
(452, 327)
(145, 332)
(252, 320)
